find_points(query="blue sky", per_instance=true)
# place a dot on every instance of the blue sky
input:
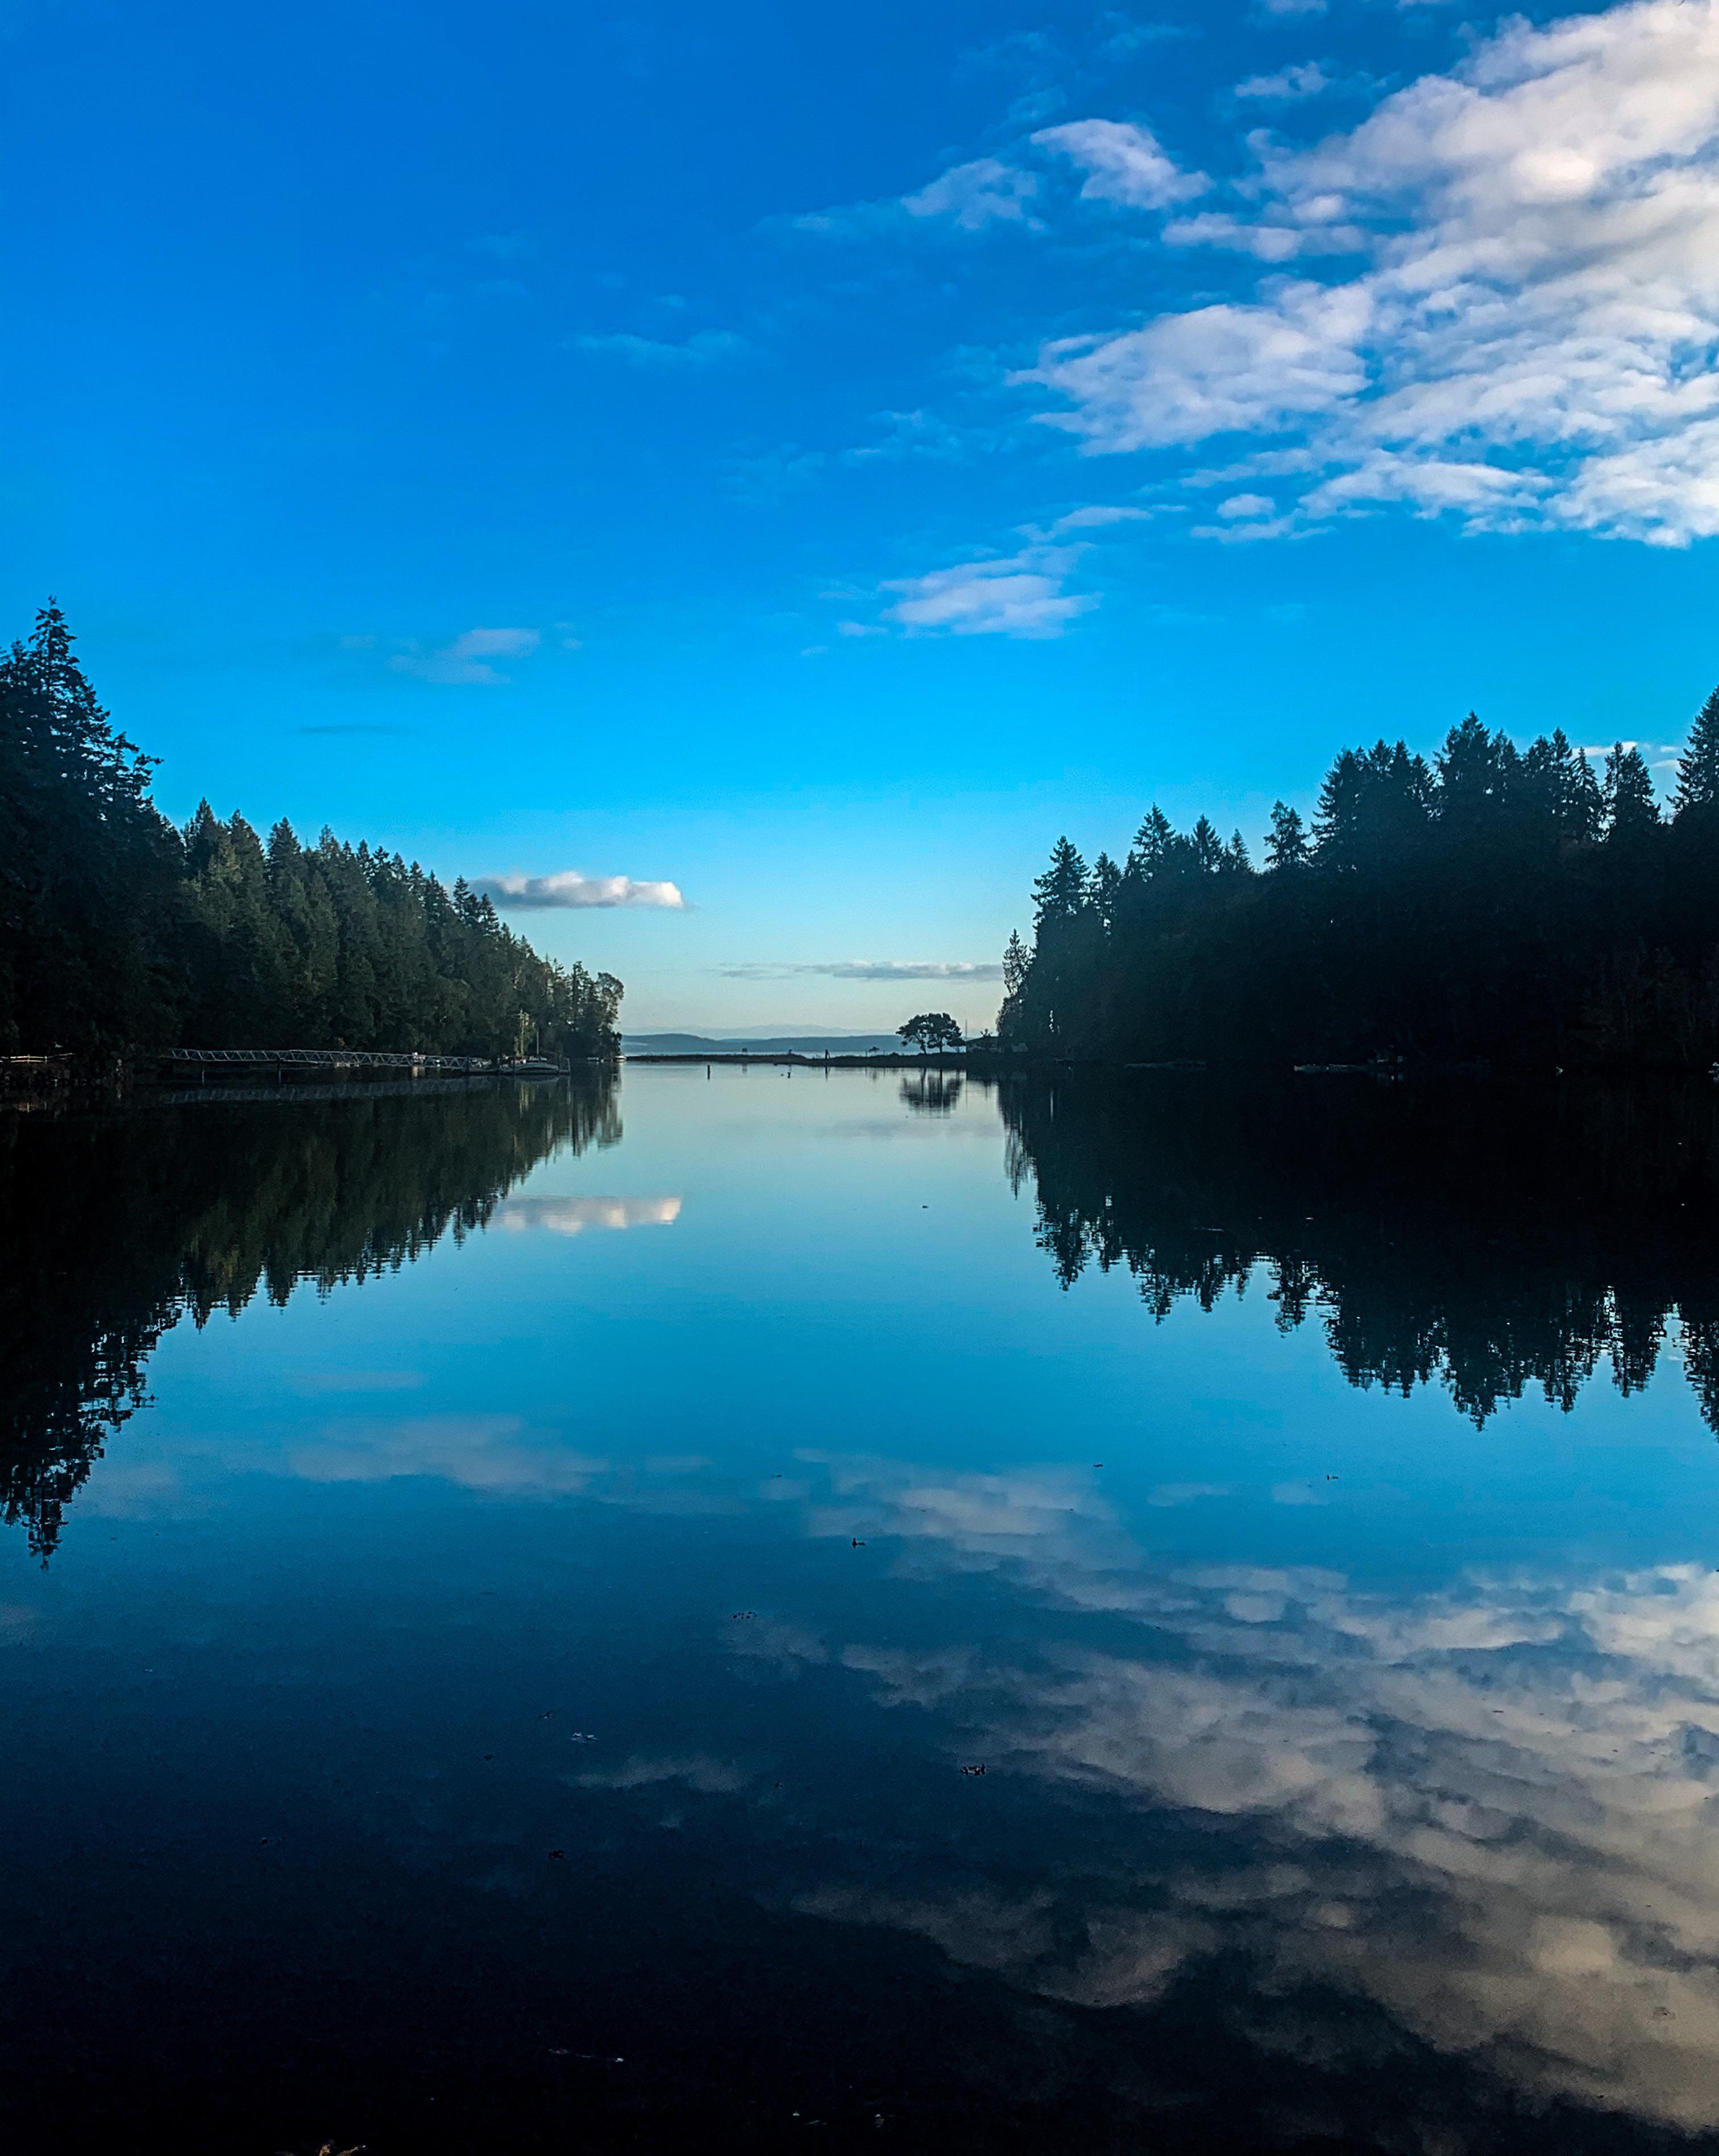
(801, 464)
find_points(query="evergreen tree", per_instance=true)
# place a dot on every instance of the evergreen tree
(1015, 963)
(1152, 842)
(1585, 804)
(88, 867)
(1103, 890)
(1061, 891)
(1630, 808)
(1476, 770)
(1336, 820)
(1287, 847)
(1698, 766)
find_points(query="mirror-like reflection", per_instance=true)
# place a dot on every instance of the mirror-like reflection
(1068, 1613)
(1489, 1241)
(931, 1092)
(118, 1225)
(1485, 1811)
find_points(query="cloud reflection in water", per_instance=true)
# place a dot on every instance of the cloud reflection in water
(1486, 1808)
(571, 1216)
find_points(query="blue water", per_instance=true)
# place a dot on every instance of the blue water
(727, 1649)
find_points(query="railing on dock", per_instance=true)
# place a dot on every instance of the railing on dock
(359, 1059)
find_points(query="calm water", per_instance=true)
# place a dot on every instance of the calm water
(748, 1611)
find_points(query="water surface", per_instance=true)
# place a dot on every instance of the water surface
(732, 1611)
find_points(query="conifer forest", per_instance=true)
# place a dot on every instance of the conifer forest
(120, 933)
(1493, 905)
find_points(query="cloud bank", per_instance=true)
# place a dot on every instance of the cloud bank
(570, 891)
(1495, 298)
(1526, 327)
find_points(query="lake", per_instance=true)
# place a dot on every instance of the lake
(739, 1610)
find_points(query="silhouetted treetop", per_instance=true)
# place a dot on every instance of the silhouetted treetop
(1698, 766)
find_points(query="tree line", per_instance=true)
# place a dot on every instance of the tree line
(120, 933)
(1490, 902)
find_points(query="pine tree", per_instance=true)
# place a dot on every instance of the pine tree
(1336, 820)
(1237, 861)
(1151, 843)
(1104, 888)
(88, 875)
(1560, 795)
(1287, 847)
(1061, 891)
(1630, 808)
(1475, 772)
(1015, 964)
(1698, 766)
(1586, 804)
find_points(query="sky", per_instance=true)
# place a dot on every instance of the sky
(742, 482)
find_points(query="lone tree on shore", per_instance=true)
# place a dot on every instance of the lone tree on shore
(931, 1029)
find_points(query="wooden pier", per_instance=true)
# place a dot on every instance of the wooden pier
(324, 1061)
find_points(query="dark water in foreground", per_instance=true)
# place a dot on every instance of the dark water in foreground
(754, 1612)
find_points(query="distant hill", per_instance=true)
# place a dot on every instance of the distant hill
(791, 1043)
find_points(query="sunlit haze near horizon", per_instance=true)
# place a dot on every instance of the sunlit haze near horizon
(738, 483)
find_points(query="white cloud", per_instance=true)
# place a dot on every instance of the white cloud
(983, 193)
(1305, 79)
(1022, 595)
(466, 662)
(703, 348)
(568, 890)
(1538, 297)
(1122, 163)
(872, 969)
(1222, 369)
(1095, 516)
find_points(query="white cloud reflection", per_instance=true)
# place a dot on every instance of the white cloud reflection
(573, 1216)
(1489, 1808)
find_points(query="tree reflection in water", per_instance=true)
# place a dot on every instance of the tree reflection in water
(118, 1225)
(1491, 1239)
(931, 1092)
